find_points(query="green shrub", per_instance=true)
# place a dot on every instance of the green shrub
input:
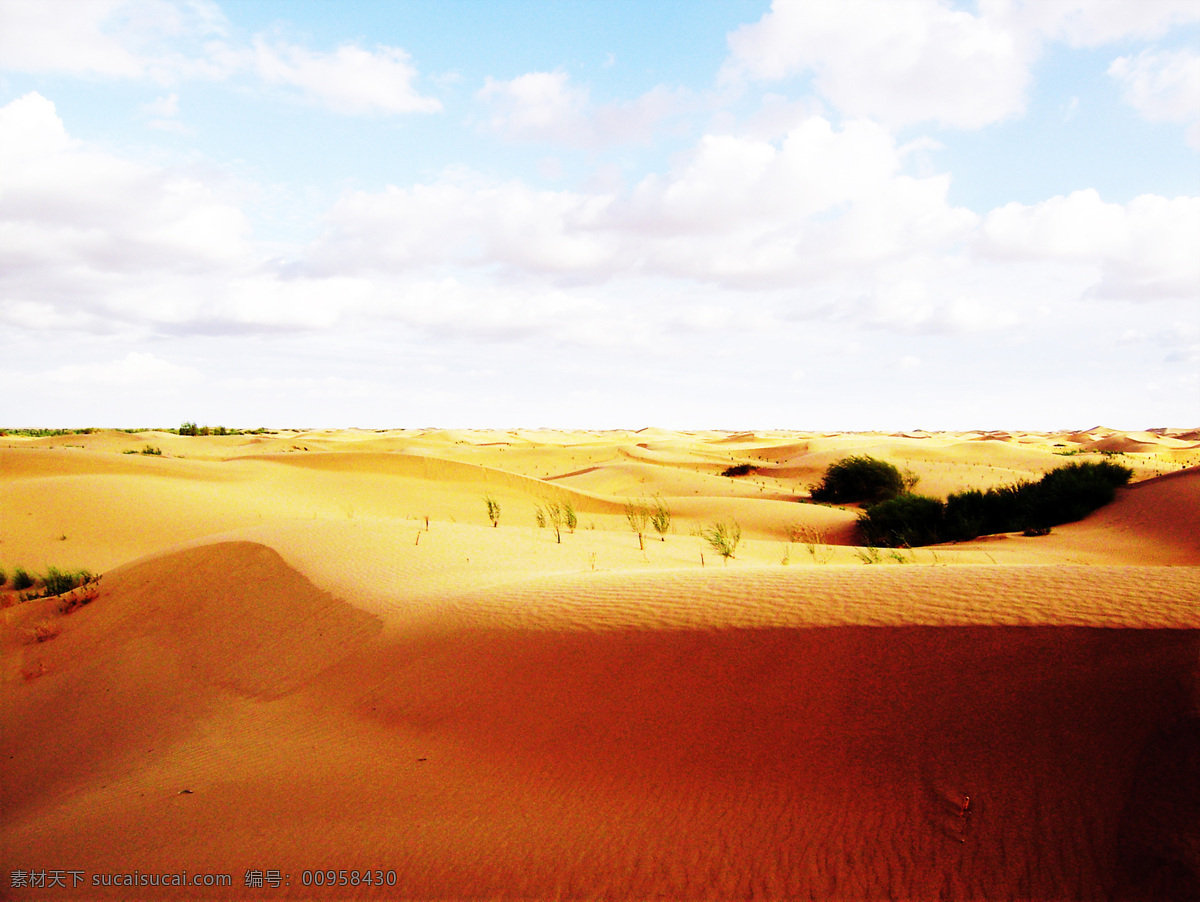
(902, 522)
(59, 581)
(859, 478)
(1064, 495)
(1072, 492)
(151, 450)
(3, 576)
(723, 537)
(21, 579)
(738, 470)
(188, 428)
(493, 510)
(660, 517)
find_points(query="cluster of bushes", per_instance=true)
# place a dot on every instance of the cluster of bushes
(190, 428)
(1061, 496)
(47, 433)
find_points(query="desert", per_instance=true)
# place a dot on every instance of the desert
(315, 651)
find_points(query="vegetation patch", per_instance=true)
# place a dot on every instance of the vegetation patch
(1064, 495)
(723, 537)
(861, 478)
(739, 470)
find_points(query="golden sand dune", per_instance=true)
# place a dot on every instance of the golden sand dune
(329, 658)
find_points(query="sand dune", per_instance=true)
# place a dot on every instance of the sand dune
(312, 650)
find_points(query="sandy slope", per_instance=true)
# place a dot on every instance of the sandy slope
(289, 668)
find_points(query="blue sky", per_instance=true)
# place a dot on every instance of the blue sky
(807, 215)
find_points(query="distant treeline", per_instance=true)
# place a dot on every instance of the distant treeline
(50, 433)
(185, 429)
(1064, 495)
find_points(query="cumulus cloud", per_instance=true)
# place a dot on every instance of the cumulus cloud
(167, 41)
(1164, 86)
(735, 211)
(826, 222)
(349, 80)
(1085, 23)
(911, 61)
(546, 107)
(900, 62)
(154, 39)
(1142, 250)
(79, 226)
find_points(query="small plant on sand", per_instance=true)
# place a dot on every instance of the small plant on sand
(493, 510)
(540, 516)
(723, 537)
(660, 517)
(151, 450)
(556, 513)
(638, 515)
(814, 540)
(43, 631)
(869, 555)
(570, 518)
(21, 579)
(3, 577)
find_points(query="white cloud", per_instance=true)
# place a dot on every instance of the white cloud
(545, 107)
(1164, 86)
(135, 369)
(64, 37)
(165, 41)
(1143, 250)
(154, 39)
(1086, 23)
(899, 62)
(82, 228)
(910, 61)
(350, 80)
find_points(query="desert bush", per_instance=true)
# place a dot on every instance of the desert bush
(493, 510)
(21, 579)
(570, 518)
(59, 581)
(859, 478)
(723, 537)
(151, 450)
(738, 470)
(660, 517)
(1072, 492)
(188, 428)
(1064, 495)
(904, 521)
